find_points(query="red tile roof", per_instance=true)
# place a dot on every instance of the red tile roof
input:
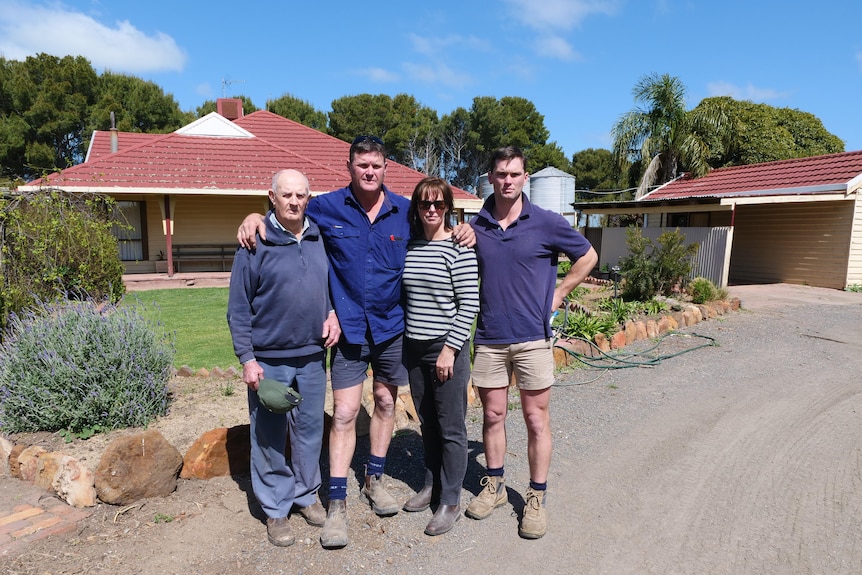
(222, 164)
(799, 176)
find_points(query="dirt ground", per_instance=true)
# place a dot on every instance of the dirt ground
(740, 458)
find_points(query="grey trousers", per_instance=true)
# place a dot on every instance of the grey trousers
(279, 482)
(442, 409)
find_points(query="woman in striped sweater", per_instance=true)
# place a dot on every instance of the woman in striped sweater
(441, 286)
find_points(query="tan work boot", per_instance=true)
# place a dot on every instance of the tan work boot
(493, 496)
(334, 532)
(534, 522)
(278, 532)
(313, 514)
(376, 495)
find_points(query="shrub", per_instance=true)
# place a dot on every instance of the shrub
(652, 269)
(617, 309)
(702, 290)
(586, 326)
(78, 366)
(563, 268)
(57, 245)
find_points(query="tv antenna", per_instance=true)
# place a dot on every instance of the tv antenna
(225, 83)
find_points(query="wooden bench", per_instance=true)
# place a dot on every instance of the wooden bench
(222, 253)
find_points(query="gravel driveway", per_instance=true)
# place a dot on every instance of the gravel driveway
(741, 458)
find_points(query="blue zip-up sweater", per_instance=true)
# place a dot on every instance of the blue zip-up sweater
(279, 295)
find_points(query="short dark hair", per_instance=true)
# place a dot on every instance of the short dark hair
(424, 190)
(506, 153)
(365, 144)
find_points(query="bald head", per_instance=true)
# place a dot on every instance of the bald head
(289, 196)
(288, 177)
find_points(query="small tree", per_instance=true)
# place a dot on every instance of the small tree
(652, 269)
(57, 245)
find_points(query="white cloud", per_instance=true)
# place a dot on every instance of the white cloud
(559, 14)
(59, 32)
(434, 45)
(749, 92)
(556, 47)
(437, 73)
(377, 75)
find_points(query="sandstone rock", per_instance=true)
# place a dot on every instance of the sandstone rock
(14, 466)
(692, 317)
(640, 330)
(28, 463)
(47, 466)
(651, 328)
(74, 483)
(618, 340)
(217, 372)
(630, 332)
(666, 324)
(136, 467)
(218, 453)
(602, 342)
(185, 371)
(5, 451)
(405, 404)
(203, 372)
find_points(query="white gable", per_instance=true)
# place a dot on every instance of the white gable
(214, 125)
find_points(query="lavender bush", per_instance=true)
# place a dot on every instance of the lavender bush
(80, 366)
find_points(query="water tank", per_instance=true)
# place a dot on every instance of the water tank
(553, 190)
(486, 189)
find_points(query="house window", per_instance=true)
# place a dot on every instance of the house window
(129, 230)
(677, 220)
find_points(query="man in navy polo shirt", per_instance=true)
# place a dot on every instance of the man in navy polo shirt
(365, 230)
(517, 245)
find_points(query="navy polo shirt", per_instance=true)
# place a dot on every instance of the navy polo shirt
(518, 271)
(366, 262)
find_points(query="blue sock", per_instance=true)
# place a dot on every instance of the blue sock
(538, 486)
(375, 465)
(337, 488)
(495, 471)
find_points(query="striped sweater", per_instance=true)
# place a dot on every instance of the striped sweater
(441, 284)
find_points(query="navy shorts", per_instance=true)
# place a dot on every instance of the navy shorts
(349, 363)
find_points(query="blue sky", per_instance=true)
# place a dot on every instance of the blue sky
(576, 60)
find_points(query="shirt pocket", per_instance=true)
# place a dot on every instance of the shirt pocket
(344, 243)
(393, 252)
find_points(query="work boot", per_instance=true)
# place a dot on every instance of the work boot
(493, 495)
(334, 532)
(443, 519)
(278, 532)
(313, 514)
(421, 500)
(376, 495)
(534, 522)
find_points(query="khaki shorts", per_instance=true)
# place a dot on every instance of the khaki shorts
(532, 362)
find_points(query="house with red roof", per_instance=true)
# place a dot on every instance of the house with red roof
(181, 196)
(793, 221)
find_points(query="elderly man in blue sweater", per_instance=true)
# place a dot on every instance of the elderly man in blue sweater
(281, 322)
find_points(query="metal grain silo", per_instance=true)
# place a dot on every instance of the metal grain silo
(553, 190)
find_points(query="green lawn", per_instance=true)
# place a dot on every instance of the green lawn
(198, 318)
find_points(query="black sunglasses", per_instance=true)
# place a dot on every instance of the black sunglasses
(360, 139)
(439, 205)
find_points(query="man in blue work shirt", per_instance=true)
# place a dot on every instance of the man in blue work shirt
(365, 230)
(517, 245)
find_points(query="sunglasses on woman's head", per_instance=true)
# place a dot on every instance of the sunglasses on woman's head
(439, 205)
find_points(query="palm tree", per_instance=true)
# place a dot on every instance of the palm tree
(663, 136)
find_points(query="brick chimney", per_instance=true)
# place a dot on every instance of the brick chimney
(230, 108)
